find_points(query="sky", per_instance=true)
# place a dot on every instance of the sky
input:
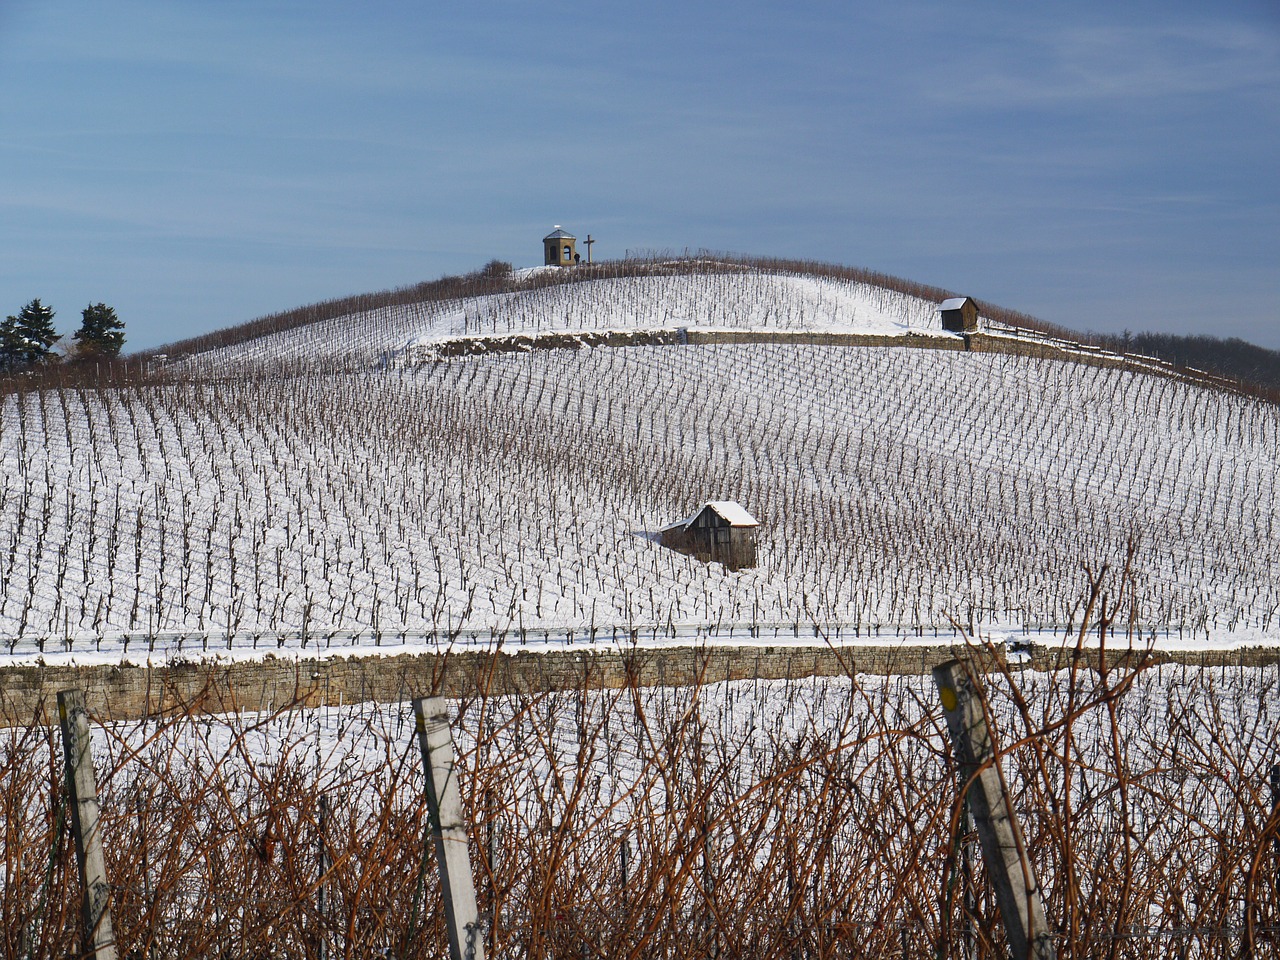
(194, 165)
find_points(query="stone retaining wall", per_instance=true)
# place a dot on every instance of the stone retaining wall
(118, 692)
(975, 342)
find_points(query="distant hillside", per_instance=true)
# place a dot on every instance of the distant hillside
(1250, 366)
(498, 277)
(294, 480)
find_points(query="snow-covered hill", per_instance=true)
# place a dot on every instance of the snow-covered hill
(713, 300)
(903, 487)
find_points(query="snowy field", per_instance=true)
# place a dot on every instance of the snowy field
(901, 492)
(713, 301)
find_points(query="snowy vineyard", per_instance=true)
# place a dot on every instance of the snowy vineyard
(769, 819)
(523, 492)
(714, 300)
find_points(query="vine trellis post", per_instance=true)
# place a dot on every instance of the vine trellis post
(1003, 848)
(95, 907)
(448, 829)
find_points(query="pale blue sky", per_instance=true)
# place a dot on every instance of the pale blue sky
(1099, 165)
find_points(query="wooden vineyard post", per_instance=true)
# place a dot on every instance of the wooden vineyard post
(448, 829)
(99, 940)
(1003, 848)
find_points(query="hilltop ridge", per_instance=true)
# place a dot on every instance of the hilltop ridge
(426, 307)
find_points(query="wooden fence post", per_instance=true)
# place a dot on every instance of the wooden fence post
(1003, 848)
(95, 912)
(448, 829)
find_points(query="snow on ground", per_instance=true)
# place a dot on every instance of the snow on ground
(1180, 794)
(898, 490)
(166, 648)
(700, 301)
(521, 492)
(712, 301)
(793, 707)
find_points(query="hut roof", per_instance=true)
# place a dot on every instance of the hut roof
(955, 303)
(731, 511)
(728, 510)
(558, 234)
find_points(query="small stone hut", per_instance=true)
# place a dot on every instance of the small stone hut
(719, 531)
(559, 248)
(959, 315)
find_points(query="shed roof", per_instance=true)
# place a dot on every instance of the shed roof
(558, 234)
(728, 510)
(955, 303)
(732, 511)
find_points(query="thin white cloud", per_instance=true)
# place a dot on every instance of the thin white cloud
(308, 47)
(1119, 63)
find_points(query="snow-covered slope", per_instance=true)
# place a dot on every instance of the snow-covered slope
(735, 300)
(908, 487)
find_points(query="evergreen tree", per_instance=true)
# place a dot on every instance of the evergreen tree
(101, 333)
(29, 337)
(10, 343)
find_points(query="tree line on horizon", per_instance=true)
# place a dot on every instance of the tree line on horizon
(28, 339)
(1232, 357)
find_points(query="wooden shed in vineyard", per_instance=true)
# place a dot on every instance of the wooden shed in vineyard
(719, 531)
(959, 315)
